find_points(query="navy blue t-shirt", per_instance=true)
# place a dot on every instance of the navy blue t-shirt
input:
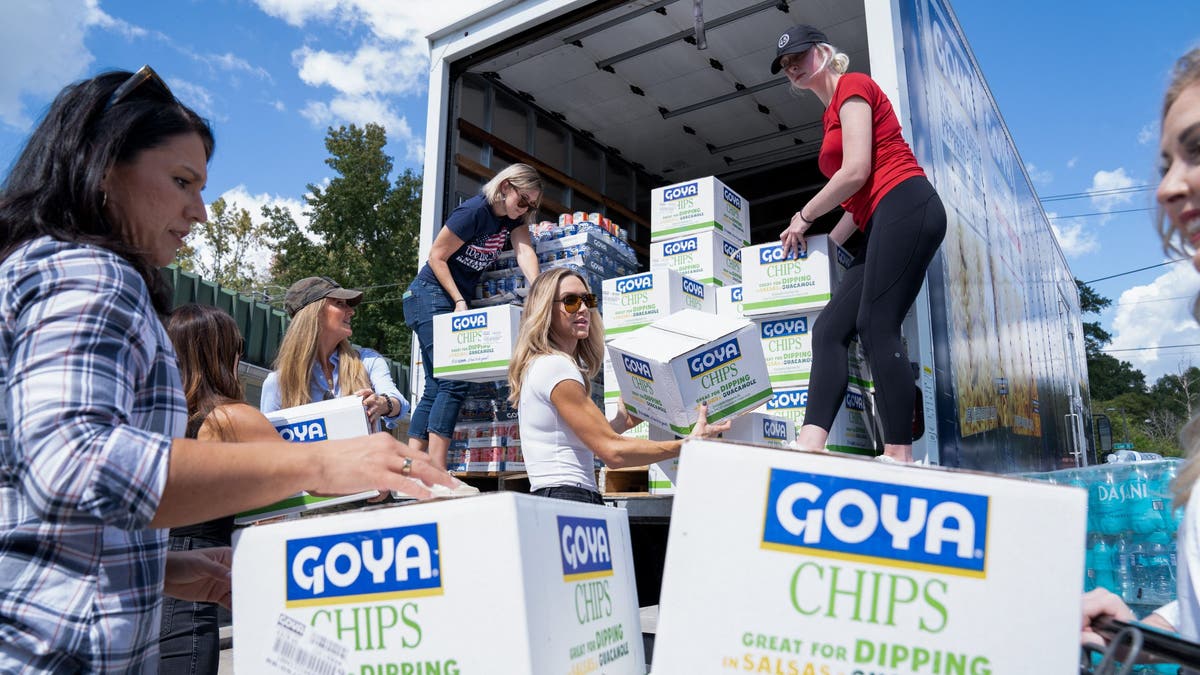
(483, 233)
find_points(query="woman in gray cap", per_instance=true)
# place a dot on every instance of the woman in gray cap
(883, 192)
(316, 361)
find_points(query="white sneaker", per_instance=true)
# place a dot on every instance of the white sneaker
(885, 459)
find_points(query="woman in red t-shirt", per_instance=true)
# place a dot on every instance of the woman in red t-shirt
(875, 178)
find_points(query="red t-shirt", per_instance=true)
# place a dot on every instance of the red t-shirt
(892, 161)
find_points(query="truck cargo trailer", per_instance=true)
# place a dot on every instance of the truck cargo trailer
(610, 99)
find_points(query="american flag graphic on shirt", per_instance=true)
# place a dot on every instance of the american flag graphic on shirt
(481, 252)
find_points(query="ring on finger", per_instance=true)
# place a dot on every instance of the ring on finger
(406, 470)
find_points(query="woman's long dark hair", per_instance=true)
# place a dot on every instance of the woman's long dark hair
(207, 344)
(54, 187)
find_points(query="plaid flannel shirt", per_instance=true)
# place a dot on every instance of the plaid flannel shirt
(91, 399)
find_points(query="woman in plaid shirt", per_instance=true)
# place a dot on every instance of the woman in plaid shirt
(92, 463)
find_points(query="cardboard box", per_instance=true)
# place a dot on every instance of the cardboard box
(699, 205)
(662, 476)
(830, 564)
(334, 419)
(773, 284)
(475, 345)
(707, 257)
(853, 430)
(667, 369)
(729, 301)
(788, 347)
(408, 589)
(759, 428)
(632, 302)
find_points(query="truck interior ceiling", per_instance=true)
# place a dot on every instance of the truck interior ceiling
(617, 98)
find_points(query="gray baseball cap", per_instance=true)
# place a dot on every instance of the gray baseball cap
(310, 289)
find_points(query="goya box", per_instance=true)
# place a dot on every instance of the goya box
(830, 564)
(667, 369)
(788, 347)
(729, 301)
(500, 583)
(852, 431)
(475, 345)
(699, 205)
(636, 300)
(337, 418)
(708, 257)
(775, 283)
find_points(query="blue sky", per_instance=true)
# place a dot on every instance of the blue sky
(1078, 83)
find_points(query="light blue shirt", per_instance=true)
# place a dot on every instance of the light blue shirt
(377, 370)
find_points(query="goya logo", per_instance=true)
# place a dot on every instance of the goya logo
(693, 288)
(711, 359)
(367, 566)
(732, 252)
(774, 430)
(637, 367)
(689, 245)
(855, 401)
(680, 191)
(844, 258)
(583, 543)
(882, 523)
(796, 398)
(304, 432)
(785, 327)
(769, 255)
(642, 282)
(469, 321)
(731, 197)
(735, 293)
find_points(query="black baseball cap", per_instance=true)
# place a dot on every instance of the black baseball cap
(797, 39)
(311, 289)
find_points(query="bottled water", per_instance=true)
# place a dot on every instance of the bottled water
(1160, 572)
(1123, 572)
(1101, 565)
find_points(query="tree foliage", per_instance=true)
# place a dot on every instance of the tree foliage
(1108, 377)
(225, 248)
(363, 232)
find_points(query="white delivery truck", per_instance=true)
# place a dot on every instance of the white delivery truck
(610, 99)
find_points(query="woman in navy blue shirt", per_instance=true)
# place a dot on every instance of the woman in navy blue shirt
(468, 245)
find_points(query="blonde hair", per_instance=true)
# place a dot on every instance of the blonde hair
(1185, 74)
(520, 177)
(533, 340)
(298, 352)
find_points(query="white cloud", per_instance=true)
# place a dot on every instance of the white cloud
(279, 105)
(54, 31)
(1104, 181)
(1072, 162)
(1148, 133)
(373, 69)
(1154, 315)
(1073, 236)
(195, 97)
(391, 61)
(361, 110)
(1038, 175)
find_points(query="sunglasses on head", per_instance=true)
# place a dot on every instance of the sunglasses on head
(572, 301)
(144, 76)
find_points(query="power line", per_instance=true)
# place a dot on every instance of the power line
(1096, 193)
(1140, 269)
(1139, 302)
(1103, 213)
(1142, 349)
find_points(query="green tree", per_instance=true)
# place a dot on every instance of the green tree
(224, 248)
(363, 232)
(1108, 377)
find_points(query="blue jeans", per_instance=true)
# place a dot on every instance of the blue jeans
(437, 411)
(190, 640)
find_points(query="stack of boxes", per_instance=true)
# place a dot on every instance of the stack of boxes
(784, 296)
(698, 229)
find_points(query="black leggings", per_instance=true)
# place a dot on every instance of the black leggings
(883, 280)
